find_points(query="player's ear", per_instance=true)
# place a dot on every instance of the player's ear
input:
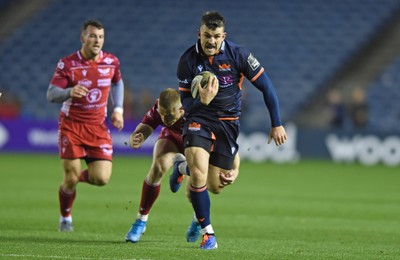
(198, 33)
(224, 35)
(82, 37)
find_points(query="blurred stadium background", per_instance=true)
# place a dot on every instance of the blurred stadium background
(319, 55)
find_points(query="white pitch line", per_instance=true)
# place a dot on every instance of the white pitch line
(62, 257)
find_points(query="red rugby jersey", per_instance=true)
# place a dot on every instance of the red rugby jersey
(97, 76)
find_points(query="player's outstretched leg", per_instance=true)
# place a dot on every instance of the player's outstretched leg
(193, 232)
(176, 178)
(137, 229)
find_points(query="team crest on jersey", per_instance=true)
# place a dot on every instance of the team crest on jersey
(60, 65)
(94, 95)
(104, 72)
(108, 60)
(253, 62)
(85, 82)
(224, 67)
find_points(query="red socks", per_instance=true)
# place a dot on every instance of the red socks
(150, 193)
(66, 200)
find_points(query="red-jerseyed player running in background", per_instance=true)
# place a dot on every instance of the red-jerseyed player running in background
(82, 83)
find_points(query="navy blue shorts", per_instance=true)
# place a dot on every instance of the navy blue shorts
(218, 137)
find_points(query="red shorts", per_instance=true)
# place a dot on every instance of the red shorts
(78, 140)
(174, 137)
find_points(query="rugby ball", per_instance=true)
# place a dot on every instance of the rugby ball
(203, 78)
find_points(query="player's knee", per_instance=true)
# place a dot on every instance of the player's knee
(70, 182)
(101, 179)
(158, 170)
(214, 189)
(101, 182)
(71, 178)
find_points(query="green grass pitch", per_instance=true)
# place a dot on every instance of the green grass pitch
(309, 210)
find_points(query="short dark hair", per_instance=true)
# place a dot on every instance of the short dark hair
(91, 22)
(213, 20)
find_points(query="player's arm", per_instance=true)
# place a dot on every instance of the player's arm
(264, 84)
(117, 97)
(185, 80)
(60, 89)
(188, 103)
(141, 133)
(58, 95)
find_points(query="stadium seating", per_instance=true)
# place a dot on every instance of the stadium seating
(300, 43)
(383, 99)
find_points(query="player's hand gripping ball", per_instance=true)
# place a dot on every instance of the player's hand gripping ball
(203, 78)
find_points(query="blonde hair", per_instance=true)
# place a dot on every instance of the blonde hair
(169, 98)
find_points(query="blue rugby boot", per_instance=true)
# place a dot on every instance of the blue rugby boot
(193, 232)
(137, 229)
(209, 242)
(176, 178)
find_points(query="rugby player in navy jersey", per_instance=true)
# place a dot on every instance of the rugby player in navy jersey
(212, 121)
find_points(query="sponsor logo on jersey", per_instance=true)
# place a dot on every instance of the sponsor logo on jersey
(253, 62)
(224, 67)
(108, 60)
(85, 82)
(184, 81)
(225, 81)
(104, 72)
(94, 95)
(103, 82)
(200, 67)
(60, 65)
(194, 126)
(84, 73)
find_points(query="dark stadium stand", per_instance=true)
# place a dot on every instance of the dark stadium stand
(383, 99)
(300, 43)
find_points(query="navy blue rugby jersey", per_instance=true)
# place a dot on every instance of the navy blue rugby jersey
(230, 65)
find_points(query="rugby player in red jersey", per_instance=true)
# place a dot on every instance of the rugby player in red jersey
(82, 82)
(168, 113)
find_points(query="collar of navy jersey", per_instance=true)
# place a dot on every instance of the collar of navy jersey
(198, 47)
